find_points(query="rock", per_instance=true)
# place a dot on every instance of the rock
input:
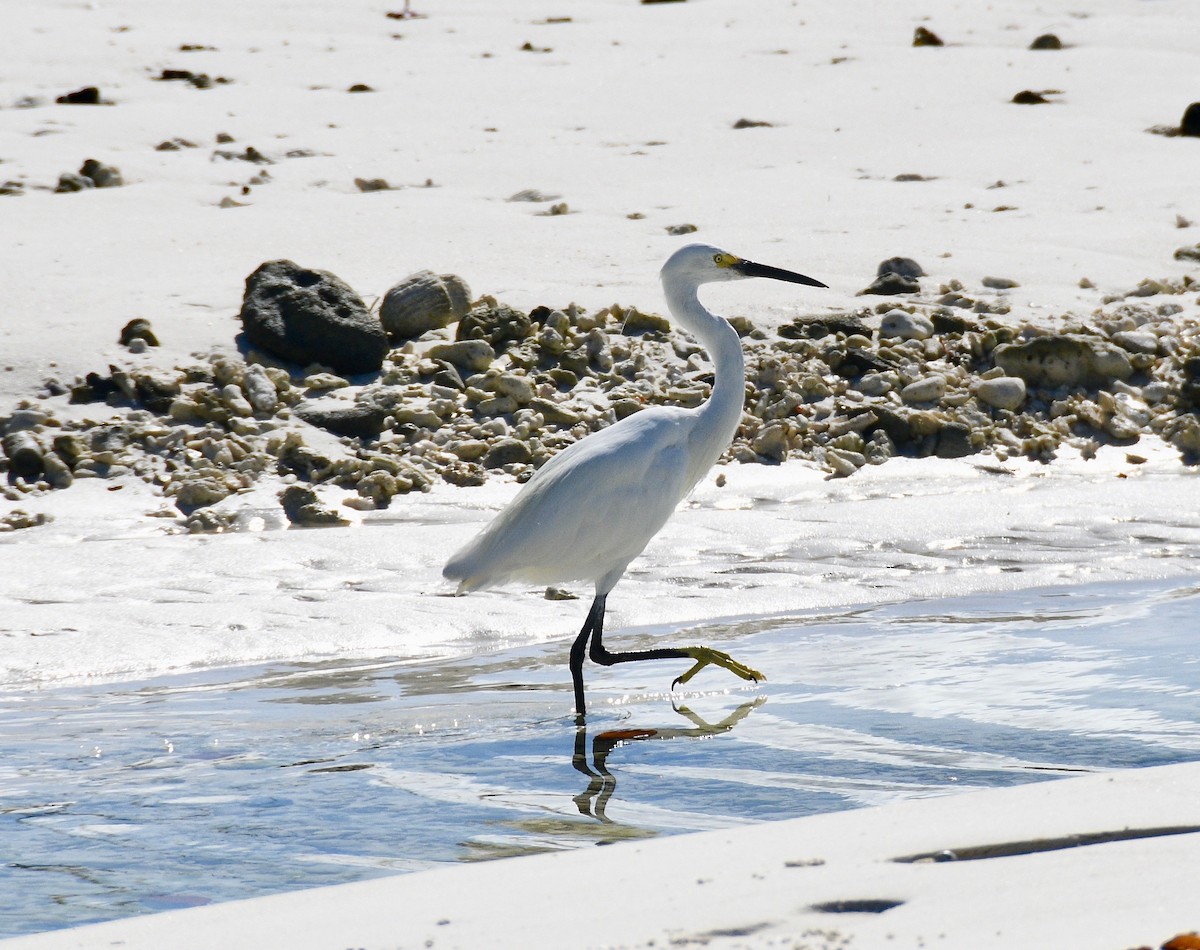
(87, 96)
(924, 37)
(311, 316)
(855, 361)
(507, 451)
(945, 321)
(1189, 389)
(771, 442)
(635, 322)
(1136, 341)
(1046, 41)
(890, 284)
(69, 181)
(904, 266)
(1002, 392)
(954, 441)
(999, 283)
(102, 176)
(925, 389)
(1027, 97)
(423, 301)
(156, 391)
(902, 325)
(474, 356)
(495, 323)
(553, 413)
(25, 458)
(814, 328)
(1063, 360)
(259, 389)
(1190, 123)
(358, 420)
(138, 329)
(303, 508)
(1188, 253)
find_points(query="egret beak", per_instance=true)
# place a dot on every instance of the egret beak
(751, 269)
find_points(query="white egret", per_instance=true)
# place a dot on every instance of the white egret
(593, 507)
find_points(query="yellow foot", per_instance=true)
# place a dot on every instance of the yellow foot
(706, 655)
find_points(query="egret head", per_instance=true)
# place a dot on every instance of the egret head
(705, 264)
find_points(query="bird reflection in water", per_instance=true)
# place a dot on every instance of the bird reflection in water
(593, 800)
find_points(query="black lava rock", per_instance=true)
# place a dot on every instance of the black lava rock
(311, 316)
(1190, 125)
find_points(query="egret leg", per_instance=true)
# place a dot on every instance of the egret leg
(595, 621)
(703, 656)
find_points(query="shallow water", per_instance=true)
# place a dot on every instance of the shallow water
(122, 799)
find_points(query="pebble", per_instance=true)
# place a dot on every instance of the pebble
(1003, 392)
(902, 325)
(473, 356)
(926, 389)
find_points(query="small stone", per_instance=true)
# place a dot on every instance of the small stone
(554, 414)
(496, 323)
(25, 458)
(474, 356)
(902, 325)
(358, 420)
(904, 266)
(890, 284)
(926, 389)
(1003, 392)
(507, 451)
(138, 329)
(1028, 97)
(101, 175)
(679, 229)
(999, 283)
(772, 442)
(87, 96)
(1188, 253)
(303, 508)
(924, 37)
(1136, 341)
(1046, 41)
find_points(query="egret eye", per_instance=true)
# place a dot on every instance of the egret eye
(722, 260)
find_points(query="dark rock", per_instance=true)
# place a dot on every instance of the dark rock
(904, 266)
(94, 388)
(156, 392)
(854, 362)
(1046, 41)
(954, 441)
(924, 37)
(138, 329)
(1027, 97)
(362, 420)
(1190, 124)
(752, 124)
(892, 283)
(497, 323)
(1188, 254)
(895, 425)
(1189, 389)
(101, 175)
(944, 322)
(302, 507)
(360, 87)
(25, 458)
(69, 181)
(815, 328)
(678, 229)
(311, 316)
(367, 185)
(87, 96)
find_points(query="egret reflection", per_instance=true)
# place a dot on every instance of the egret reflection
(593, 800)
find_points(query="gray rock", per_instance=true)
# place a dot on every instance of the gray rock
(103, 176)
(423, 301)
(926, 389)
(302, 507)
(891, 284)
(904, 266)
(999, 283)
(954, 441)
(25, 458)
(311, 316)
(360, 420)
(474, 356)
(1136, 341)
(1002, 392)
(496, 323)
(900, 324)
(507, 452)
(1063, 360)
(1188, 253)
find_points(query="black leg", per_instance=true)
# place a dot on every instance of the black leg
(594, 622)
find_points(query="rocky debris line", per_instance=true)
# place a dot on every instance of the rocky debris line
(927, 374)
